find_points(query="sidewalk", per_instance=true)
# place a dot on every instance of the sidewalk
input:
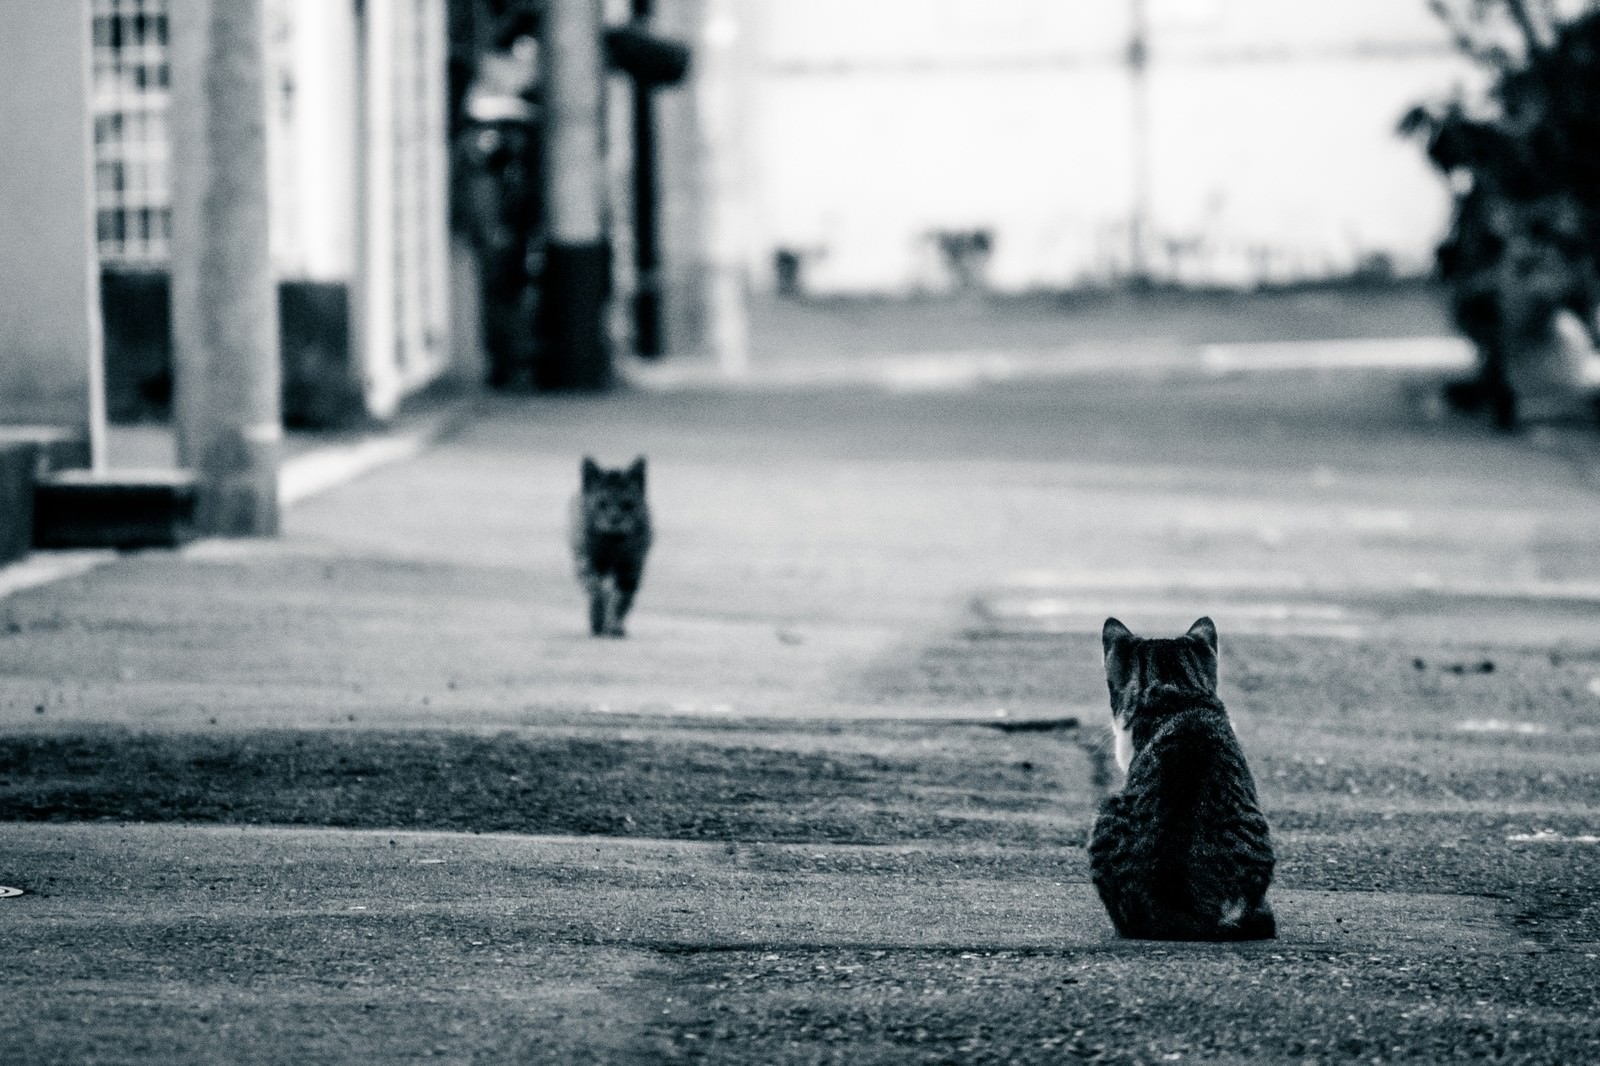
(794, 817)
(312, 463)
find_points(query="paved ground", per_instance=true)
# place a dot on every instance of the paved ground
(368, 793)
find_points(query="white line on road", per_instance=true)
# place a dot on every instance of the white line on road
(1287, 581)
(1497, 725)
(1405, 353)
(953, 371)
(1056, 614)
(1061, 607)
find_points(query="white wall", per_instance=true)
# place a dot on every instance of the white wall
(1271, 147)
(49, 291)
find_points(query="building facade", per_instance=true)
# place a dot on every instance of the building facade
(358, 159)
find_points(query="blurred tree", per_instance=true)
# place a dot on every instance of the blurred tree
(1524, 163)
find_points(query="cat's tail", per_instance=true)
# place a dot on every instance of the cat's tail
(1241, 921)
(1182, 919)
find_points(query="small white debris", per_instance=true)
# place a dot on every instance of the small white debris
(1550, 836)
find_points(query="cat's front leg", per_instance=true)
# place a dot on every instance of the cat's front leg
(615, 607)
(627, 583)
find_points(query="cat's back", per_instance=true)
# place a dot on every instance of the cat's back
(1193, 758)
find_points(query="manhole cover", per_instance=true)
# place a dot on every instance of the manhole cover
(7, 893)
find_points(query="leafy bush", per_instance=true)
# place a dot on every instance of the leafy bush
(1524, 163)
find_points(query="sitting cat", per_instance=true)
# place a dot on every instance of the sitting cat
(610, 537)
(1182, 852)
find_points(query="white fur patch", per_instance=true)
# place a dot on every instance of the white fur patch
(1233, 912)
(1124, 739)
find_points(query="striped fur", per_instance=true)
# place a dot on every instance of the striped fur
(610, 537)
(1183, 851)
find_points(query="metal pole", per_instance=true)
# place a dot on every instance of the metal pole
(224, 299)
(1138, 68)
(647, 310)
(576, 274)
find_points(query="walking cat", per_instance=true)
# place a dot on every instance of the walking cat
(1182, 852)
(610, 537)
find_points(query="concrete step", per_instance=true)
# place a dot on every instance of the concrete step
(26, 452)
(19, 461)
(121, 509)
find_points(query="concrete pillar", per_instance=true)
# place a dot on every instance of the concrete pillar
(574, 352)
(682, 212)
(224, 300)
(50, 344)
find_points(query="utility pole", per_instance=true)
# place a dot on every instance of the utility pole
(1139, 89)
(224, 299)
(574, 353)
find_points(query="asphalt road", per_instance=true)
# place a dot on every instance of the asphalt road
(369, 794)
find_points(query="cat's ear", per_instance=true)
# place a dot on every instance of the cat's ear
(591, 472)
(1206, 630)
(1114, 640)
(1204, 633)
(1113, 633)
(636, 472)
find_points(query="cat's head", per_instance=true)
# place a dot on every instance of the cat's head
(613, 499)
(1137, 666)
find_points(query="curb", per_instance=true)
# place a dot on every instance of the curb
(313, 472)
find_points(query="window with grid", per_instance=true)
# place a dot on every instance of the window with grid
(133, 198)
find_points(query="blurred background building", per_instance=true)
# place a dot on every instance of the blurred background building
(825, 147)
(917, 145)
(356, 129)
